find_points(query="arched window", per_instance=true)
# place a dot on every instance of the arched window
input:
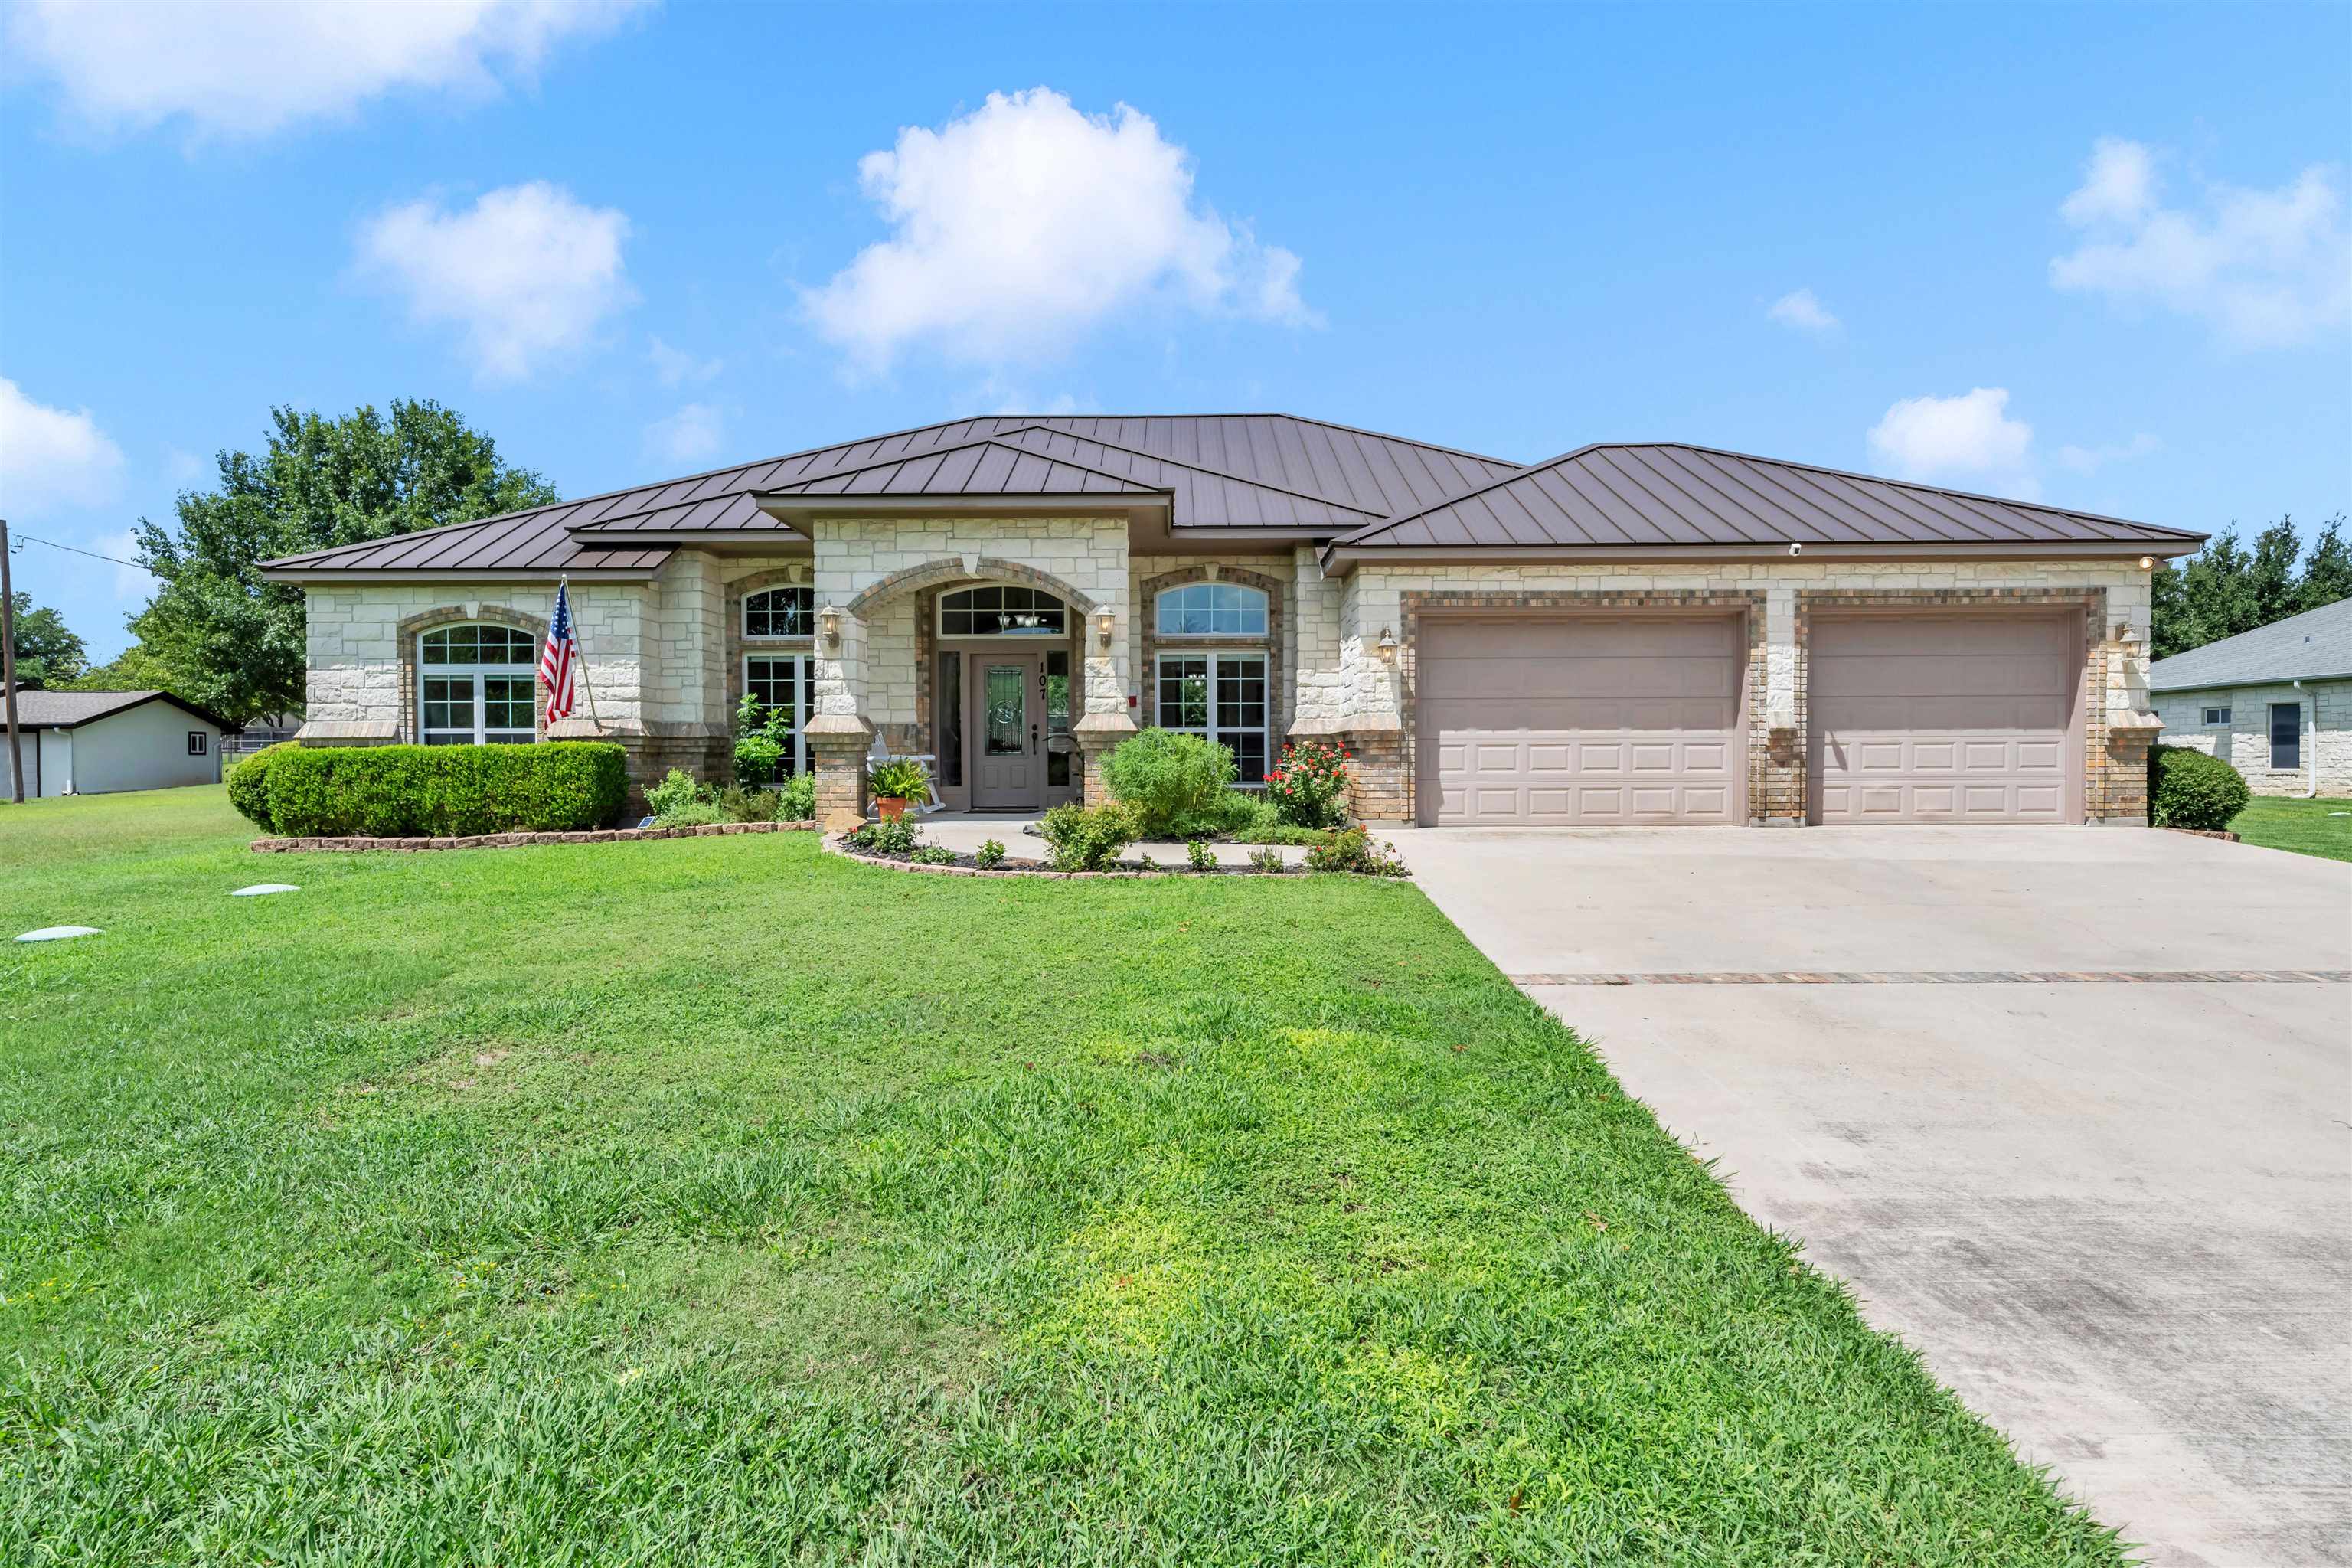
(477, 686)
(1005, 612)
(1212, 609)
(779, 613)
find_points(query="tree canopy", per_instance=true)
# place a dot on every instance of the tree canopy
(234, 643)
(2225, 588)
(47, 652)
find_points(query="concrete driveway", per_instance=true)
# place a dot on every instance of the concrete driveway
(2111, 1200)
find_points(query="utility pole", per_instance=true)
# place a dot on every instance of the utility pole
(8, 670)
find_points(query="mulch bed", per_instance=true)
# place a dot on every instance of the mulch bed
(519, 840)
(965, 865)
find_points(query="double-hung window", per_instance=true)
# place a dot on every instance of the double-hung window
(1219, 697)
(477, 686)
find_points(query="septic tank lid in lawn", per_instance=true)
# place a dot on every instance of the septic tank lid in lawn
(59, 933)
(258, 888)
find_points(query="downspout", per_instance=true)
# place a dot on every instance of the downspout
(2311, 741)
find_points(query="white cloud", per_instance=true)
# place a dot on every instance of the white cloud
(675, 367)
(1802, 308)
(2090, 459)
(52, 458)
(130, 581)
(2267, 269)
(693, 433)
(184, 469)
(1932, 438)
(526, 273)
(1024, 224)
(241, 70)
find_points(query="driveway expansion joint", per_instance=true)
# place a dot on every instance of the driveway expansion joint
(1953, 977)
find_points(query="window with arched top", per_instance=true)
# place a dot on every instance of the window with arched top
(1002, 612)
(476, 685)
(1211, 609)
(779, 613)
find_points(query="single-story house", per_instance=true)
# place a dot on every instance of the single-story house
(2276, 701)
(96, 743)
(1629, 633)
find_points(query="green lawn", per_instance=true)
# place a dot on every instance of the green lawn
(713, 1201)
(2322, 827)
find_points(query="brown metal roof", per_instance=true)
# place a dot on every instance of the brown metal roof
(1669, 495)
(1256, 472)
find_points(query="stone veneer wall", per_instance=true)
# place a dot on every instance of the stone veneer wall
(2245, 743)
(1377, 696)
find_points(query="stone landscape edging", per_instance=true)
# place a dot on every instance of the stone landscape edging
(833, 845)
(520, 840)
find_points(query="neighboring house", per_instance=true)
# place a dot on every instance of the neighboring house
(1638, 633)
(96, 743)
(268, 730)
(2276, 701)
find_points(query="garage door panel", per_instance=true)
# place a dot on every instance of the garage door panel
(1942, 719)
(1588, 721)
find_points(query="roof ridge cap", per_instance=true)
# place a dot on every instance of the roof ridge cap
(1197, 467)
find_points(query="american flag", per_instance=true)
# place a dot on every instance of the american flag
(562, 653)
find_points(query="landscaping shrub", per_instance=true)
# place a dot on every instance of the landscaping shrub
(673, 794)
(933, 855)
(1355, 850)
(796, 798)
(392, 791)
(1167, 780)
(1309, 783)
(1268, 859)
(990, 854)
(763, 738)
(1198, 852)
(248, 783)
(1087, 839)
(2187, 788)
(893, 836)
(1238, 815)
(742, 805)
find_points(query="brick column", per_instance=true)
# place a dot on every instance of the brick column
(2121, 797)
(1097, 735)
(1377, 785)
(837, 745)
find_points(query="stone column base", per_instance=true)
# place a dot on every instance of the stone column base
(1098, 734)
(837, 745)
(2120, 798)
(1378, 789)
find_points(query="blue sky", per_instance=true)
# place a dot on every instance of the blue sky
(2095, 255)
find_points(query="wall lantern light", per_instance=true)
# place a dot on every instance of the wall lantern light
(1388, 645)
(2148, 563)
(1105, 623)
(829, 620)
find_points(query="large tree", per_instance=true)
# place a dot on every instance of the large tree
(2225, 589)
(47, 652)
(235, 642)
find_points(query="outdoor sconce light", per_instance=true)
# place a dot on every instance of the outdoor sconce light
(2148, 563)
(1104, 623)
(1387, 645)
(829, 620)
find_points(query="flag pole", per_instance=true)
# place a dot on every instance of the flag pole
(581, 646)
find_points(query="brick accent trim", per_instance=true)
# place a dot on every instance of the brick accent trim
(1279, 695)
(952, 569)
(412, 626)
(2113, 785)
(1764, 788)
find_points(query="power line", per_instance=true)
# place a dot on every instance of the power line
(78, 550)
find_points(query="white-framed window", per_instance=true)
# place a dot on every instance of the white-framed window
(779, 613)
(1221, 696)
(2218, 718)
(1211, 609)
(1002, 612)
(784, 684)
(477, 686)
(198, 744)
(2286, 736)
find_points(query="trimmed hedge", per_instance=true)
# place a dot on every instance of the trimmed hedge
(2187, 788)
(441, 792)
(248, 783)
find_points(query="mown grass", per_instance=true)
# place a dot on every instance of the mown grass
(2321, 826)
(713, 1201)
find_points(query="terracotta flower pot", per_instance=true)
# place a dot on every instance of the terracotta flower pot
(890, 806)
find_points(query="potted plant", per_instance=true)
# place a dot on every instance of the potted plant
(896, 783)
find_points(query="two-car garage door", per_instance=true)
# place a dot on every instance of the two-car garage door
(1617, 720)
(1585, 721)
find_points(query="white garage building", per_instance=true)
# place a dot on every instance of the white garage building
(96, 743)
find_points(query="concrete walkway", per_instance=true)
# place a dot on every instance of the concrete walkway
(2116, 1214)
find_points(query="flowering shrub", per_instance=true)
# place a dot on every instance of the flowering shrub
(1308, 781)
